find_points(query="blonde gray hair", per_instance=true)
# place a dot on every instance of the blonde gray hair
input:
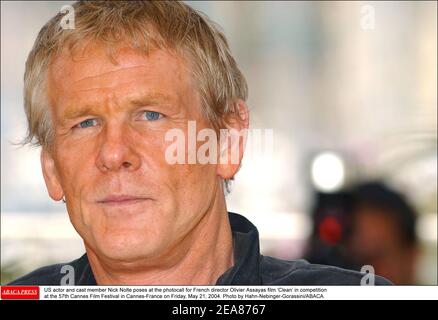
(143, 24)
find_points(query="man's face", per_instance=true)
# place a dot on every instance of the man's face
(108, 156)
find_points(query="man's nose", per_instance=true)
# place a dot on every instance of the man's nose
(117, 150)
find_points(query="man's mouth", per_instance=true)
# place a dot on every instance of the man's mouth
(122, 200)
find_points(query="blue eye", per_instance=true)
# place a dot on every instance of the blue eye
(152, 115)
(87, 123)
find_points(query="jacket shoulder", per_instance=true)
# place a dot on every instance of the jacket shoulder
(300, 272)
(50, 275)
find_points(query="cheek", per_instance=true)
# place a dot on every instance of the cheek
(74, 169)
(194, 187)
(192, 184)
(188, 187)
(77, 179)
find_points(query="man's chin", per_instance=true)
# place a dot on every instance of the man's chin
(126, 250)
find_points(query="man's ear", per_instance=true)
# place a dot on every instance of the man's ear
(231, 152)
(51, 176)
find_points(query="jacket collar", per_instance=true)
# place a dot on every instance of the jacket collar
(246, 249)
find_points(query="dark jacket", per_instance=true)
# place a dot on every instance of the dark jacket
(250, 268)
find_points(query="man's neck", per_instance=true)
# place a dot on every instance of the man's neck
(199, 259)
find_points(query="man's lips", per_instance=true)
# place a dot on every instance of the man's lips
(121, 200)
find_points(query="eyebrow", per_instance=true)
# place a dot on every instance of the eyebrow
(76, 113)
(139, 101)
(150, 99)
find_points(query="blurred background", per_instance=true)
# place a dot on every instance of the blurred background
(350, 92)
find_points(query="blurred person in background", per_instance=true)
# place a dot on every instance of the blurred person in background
(383, 232)
(368, 224)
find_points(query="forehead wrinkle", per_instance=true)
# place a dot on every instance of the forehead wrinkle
(110, 80)
(101, 88)
(108, 73)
